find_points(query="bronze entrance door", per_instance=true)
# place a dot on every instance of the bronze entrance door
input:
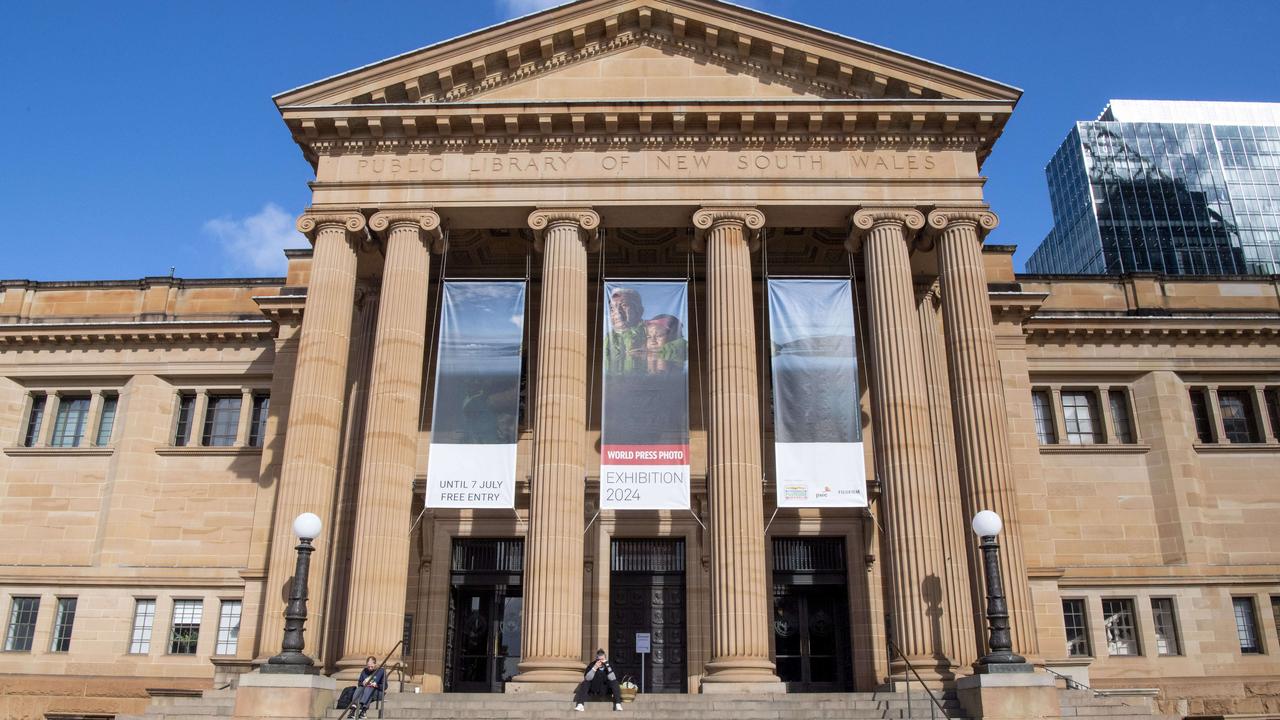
(482, 640)
(646, 595)
(811, 615)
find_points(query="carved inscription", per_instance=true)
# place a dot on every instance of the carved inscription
(676, 165)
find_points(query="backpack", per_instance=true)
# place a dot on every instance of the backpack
(344, 700)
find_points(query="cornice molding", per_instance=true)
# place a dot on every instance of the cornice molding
(1048, 329)
(426, 220)
(186, 332)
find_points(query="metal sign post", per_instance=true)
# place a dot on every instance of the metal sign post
(642, 649)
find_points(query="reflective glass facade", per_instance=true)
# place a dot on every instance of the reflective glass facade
(1180, 198)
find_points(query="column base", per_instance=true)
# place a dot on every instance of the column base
(1009, 696)
(538, 673)
(283, 696)
(741, 676)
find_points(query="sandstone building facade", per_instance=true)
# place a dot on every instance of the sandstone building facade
(159, 435)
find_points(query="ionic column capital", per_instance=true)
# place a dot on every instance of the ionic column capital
(748, 220)
(425, 220)
(311, 223)
(981, 220)
(582, 219)
(909, 220)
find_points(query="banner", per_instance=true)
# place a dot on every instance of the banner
(475, 420)
(644, 442)
(817, 420)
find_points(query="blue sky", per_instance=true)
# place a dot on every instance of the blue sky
(141, 135)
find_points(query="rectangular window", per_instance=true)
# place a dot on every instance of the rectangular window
(1275, 611)
(107, 420)
(1272, 396)
(184, 636)
(1200, 411)
(144, 618)
(1043, 407)
(186, 409)
(63, 621)
(1077, 626)
(22, 624)
(258, 420)
(1080, 416)
(221, 421)
(228, 628)
(68, 426)
(1246, 625)
(1166, 623)
(1121, 625)
(32, 436)
(1121, 419)
(1238, 420)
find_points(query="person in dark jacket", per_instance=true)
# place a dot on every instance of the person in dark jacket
(373, 680)
(598, 677)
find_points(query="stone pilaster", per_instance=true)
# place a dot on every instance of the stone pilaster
(978, 403)
(309, 469)
(740, 587)
(552, 632)
(903, 441)
(960, 616)
(380, 553)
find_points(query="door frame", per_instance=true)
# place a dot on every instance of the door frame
(683, 576)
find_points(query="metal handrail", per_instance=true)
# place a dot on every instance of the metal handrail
(1072, 683)
(912, 668)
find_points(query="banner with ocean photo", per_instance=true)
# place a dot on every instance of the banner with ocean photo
(817, 419)
(644, 442)
(475, 418)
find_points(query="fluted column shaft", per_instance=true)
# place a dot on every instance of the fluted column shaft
(380, 556)
(904, 457)
(977, 396)
(309, 472)
(552, 630)
(740, 597)
(959, 618)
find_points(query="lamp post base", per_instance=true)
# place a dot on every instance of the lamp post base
(284, 696)
(1008, 696)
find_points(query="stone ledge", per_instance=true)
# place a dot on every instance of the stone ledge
(1236, 447)
(202, 450)
(59, 451)
(1099, 448)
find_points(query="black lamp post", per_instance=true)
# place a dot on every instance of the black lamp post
(1001, 658)
(291, 658)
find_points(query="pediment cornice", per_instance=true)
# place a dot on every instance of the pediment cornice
(810, 60)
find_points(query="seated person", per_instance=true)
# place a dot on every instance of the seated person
(373, 680)
(598, 677)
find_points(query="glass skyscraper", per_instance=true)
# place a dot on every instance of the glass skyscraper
(1181, 188)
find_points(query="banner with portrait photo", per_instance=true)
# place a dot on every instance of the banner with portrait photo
(644, 441)
(475, 418)
(817, 419)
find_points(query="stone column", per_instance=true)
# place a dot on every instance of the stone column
(380, 554)
(959, 618)
(309, 472)
(552, 637)
(977, 397)
(740, 587)
(903, 440)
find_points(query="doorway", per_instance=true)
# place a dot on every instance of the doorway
(482, 640)
(646, 595)
(811, 615)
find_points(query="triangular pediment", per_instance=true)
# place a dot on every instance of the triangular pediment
(639, 49)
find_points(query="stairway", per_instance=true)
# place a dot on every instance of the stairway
(1074, 704)
(836, 706)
